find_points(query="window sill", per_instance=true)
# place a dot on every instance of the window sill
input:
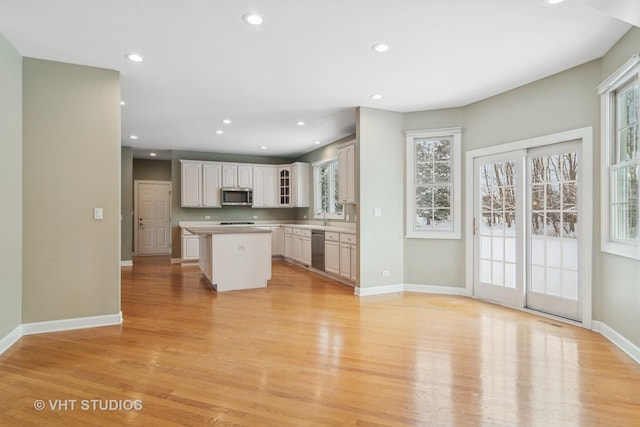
(620, 249)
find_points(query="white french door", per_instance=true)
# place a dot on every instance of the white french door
(553, 234)
(529, 218)
(499, 228)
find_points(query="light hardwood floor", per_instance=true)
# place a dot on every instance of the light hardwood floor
(306, 352)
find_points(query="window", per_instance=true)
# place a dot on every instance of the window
(621, 161)
(433, 184)
(325, 190)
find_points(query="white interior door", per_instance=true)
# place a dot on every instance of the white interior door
(498, 228)
(154, 221)
(553, 232)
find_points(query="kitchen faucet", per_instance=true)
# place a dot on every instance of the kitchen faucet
(325, 221)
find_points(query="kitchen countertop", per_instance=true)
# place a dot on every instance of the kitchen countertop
(216, 225)
(225, 229)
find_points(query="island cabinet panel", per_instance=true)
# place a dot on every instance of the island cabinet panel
(190, 246)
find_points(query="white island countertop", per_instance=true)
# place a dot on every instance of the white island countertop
(224, 229)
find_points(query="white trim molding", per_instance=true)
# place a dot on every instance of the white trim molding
(10, 339)
(126, 263)
(407, 287)
(617, 339)
(70, 324)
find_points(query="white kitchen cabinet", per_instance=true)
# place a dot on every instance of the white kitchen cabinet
(288, 242)
(348, 256)
(265, 180)
(332, 253)
(190, 246)
(191, 183)
(200, 184)
(277, 241)
(347, 173)
(293, 185)
(236, 175)
(305, 255)
(296, 251)
(211, 174)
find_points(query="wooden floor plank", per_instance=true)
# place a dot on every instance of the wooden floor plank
(306, 351)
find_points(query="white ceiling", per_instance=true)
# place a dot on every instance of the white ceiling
(309, 60)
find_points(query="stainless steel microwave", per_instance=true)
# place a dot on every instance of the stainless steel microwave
(237, 196)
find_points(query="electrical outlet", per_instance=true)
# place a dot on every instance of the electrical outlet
(207, 217)
(255, 217)
(385, 273)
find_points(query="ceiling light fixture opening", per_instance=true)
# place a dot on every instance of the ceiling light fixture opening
(300, 123)
(152, 154)
(226, 121)
(553, 2)
(376, 96)
(134, 57)
(133, 136)
(219, 132)
(380, 47)
(122, 102)
(252, 19)
(264, 147)
(316, 142)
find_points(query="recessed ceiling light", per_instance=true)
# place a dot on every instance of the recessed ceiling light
(264, 147)
(121, 102)
(380, 47)
(316, 142)
(226, 121)
(219, 132)
(152, 154)
(552, 2)
(134, 57)
(252, 19)
(133, 136)
(300, 123)
(376, 96)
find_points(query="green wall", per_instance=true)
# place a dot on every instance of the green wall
(225, 213)
(329, 151)
(151, 170)
(126, 204)
(71, 153)
(10, 188)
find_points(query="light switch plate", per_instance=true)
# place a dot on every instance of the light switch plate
(97, 213)
(377, 212)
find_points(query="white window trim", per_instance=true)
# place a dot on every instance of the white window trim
(606, 90)
(317, 212)
(456, 155)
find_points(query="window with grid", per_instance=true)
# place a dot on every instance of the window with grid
(621, 161)
(433, 184)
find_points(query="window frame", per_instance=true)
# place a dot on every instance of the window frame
(317, 204)
(456, 184)
(610, 163)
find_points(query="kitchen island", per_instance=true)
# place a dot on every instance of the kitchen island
(233, 258)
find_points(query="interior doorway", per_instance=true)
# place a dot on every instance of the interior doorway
(152, 210)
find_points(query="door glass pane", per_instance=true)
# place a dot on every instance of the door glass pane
(554, 225)
(498, 220)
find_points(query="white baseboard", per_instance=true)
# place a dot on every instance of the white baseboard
(621, 342)
(128, 263)
(69, 324)
(405, 287)
(10, 339)
(176, 260)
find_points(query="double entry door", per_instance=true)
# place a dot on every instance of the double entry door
(527, 228)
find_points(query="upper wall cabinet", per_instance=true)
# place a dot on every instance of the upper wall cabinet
(347, 173)
(293, 185)
(265, 181)
(236, 175)
(200, 186)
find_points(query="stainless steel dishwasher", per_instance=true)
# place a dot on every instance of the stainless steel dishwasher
(317, 249)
